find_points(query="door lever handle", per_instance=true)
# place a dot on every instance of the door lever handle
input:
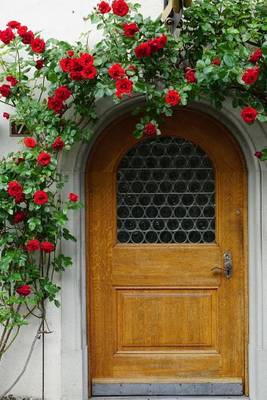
(227, 268)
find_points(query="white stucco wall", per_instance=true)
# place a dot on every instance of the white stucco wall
(66, 346)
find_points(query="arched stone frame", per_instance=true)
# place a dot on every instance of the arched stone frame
(74, 365)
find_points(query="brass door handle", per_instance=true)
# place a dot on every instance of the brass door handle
(227, 268)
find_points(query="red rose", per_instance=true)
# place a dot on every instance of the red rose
(29, 142)
(73, 197)
(116, 71)
(24, 290)
(123, 86)
(14, 188)
(65, 64)
(150, 129)
(103, 7)
(76, 76)
(26, 36)
(5, 90)
(58, 144)
(33, 245)
(7, 36)
(249, 114)
(89, 72)
(19, 198)
(251, 75)
(143, 50)
(86, 60)
(161, 41)
(75, 65)
(62, 93)
(258, 154)
(13, 24)
(6, 115)
(13, 81)
(130, 29)
(172, 97)
(254, 57)
(38, 45)
(190, 75)
(44, 159)
(120, 8)
(216, 61)
(18, 217)
(40, 197)
(39, 64)
(47, 247)
(55, 104)
(70, 53)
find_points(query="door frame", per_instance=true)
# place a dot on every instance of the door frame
(73, 322)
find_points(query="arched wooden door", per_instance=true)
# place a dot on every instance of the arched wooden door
(166, 236)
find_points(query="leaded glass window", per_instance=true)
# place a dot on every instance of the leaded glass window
(165, 193)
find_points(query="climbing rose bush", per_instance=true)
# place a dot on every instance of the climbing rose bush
(53, 87)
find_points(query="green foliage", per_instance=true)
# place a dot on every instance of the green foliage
(225, 31)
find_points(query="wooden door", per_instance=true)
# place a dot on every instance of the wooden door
(163, 215)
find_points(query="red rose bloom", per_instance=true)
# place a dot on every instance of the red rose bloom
(150, 129)
(251, 75)
(6, 115)
(190, 75)
(14, 188)
(172, 97)
(258, 154)
(62, 93)
(13, 81)
(70, 53)
(40, 197)
(143, 50)
(38, 45)
(18, 217)
(65, 64)
(7, 36)
(249, 114)
(13, 24)
(44, 159)
(103, 7)
(26, 36)
(120, 8)
(89, 72)
(216, 61)
(19, 198)
(55, 104)
(86, 60)
(47, 247)
(29, 142)
(123, 86)
(39, 64)
(5, 90)
(116, 71)
(24, 290)
(33, 245)
(130, 29)
(161, 41)
(254, 57)
(58, 144)
(73, 197)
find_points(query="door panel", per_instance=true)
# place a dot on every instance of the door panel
(159, 310)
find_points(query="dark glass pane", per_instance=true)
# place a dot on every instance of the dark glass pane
(137, 237)
(165, 193)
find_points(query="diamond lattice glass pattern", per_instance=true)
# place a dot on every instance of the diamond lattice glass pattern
(165, 193)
